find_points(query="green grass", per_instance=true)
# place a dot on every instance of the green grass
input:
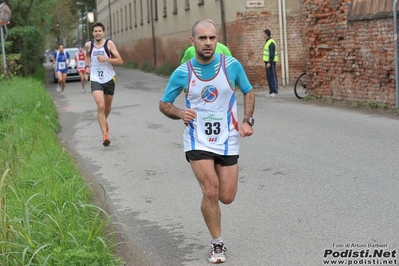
(372, 105)
(46, 214)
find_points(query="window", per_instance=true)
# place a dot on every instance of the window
(174, 7)
(130, 15)
(121, 20)
(187, 7)
(141, 12)
(135, 14)
(126, 17)
(155, 9)
(148, 11)
(108, 29)
(200, 2)
(113, 19)
(165, 11)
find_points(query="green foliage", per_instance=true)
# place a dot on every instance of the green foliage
(147, 67)
(46, 217)
(385, 106)
(132, 65)
(359, 104)
(13, 66)
(40, 74)
(347, 102)
(29, 25)
(373, 105)
(29, 42)
(32, 30)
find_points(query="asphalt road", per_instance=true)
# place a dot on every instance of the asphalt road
(317, 182)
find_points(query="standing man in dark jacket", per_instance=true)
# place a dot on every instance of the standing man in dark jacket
(270, 56)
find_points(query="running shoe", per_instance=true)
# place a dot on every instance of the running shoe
(216, 255)
(106, 140)
(107, 127)
(83, 91)
(58, 88)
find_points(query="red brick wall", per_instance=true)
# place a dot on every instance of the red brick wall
(246, 40)
(348, 60)
(142, 51)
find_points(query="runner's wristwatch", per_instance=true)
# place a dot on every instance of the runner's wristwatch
(250, 120)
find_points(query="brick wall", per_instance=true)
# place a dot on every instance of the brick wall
(246, 41)
(348, 60)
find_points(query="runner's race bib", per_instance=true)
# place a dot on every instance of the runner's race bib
(212, 128)
(61, 65)
(100, 71)
(81, 65)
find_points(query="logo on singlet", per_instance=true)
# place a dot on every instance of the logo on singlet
(213, 139)
(97, 53)
(209, 93)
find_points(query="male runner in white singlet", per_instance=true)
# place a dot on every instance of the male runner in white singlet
(212, 132)
(101, 56)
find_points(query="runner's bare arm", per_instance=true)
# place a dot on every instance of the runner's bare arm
(87, 57)
(249, 104)
(175, 113)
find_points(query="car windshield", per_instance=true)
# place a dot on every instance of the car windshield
(71, 53)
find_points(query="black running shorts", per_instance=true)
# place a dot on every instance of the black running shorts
(223, 160)
(108, 88)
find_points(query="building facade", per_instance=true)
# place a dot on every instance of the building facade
(346, 47)
(158, 31)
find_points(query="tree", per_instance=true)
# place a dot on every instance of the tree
(31, 24)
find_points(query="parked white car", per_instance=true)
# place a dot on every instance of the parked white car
(72, 68)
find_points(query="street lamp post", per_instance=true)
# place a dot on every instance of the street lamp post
(87, 20)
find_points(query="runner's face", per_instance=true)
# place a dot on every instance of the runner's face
(98, 33)
(61, 48)
(205, 43)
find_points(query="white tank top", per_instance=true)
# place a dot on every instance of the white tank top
(100, 72)
(216, 128)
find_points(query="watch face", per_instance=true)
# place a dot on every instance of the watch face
(251, 121)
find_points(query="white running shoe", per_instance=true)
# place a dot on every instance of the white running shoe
(216, 255)
(58, 88)
(62, 93)
(272, 95)
(83, 91)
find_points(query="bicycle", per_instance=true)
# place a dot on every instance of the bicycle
(300, 86)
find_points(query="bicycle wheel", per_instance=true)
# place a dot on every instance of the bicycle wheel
(300, 86)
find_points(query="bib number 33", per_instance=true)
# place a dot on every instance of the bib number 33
(212, 128)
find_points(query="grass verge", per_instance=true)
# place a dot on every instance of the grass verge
(46, 214)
